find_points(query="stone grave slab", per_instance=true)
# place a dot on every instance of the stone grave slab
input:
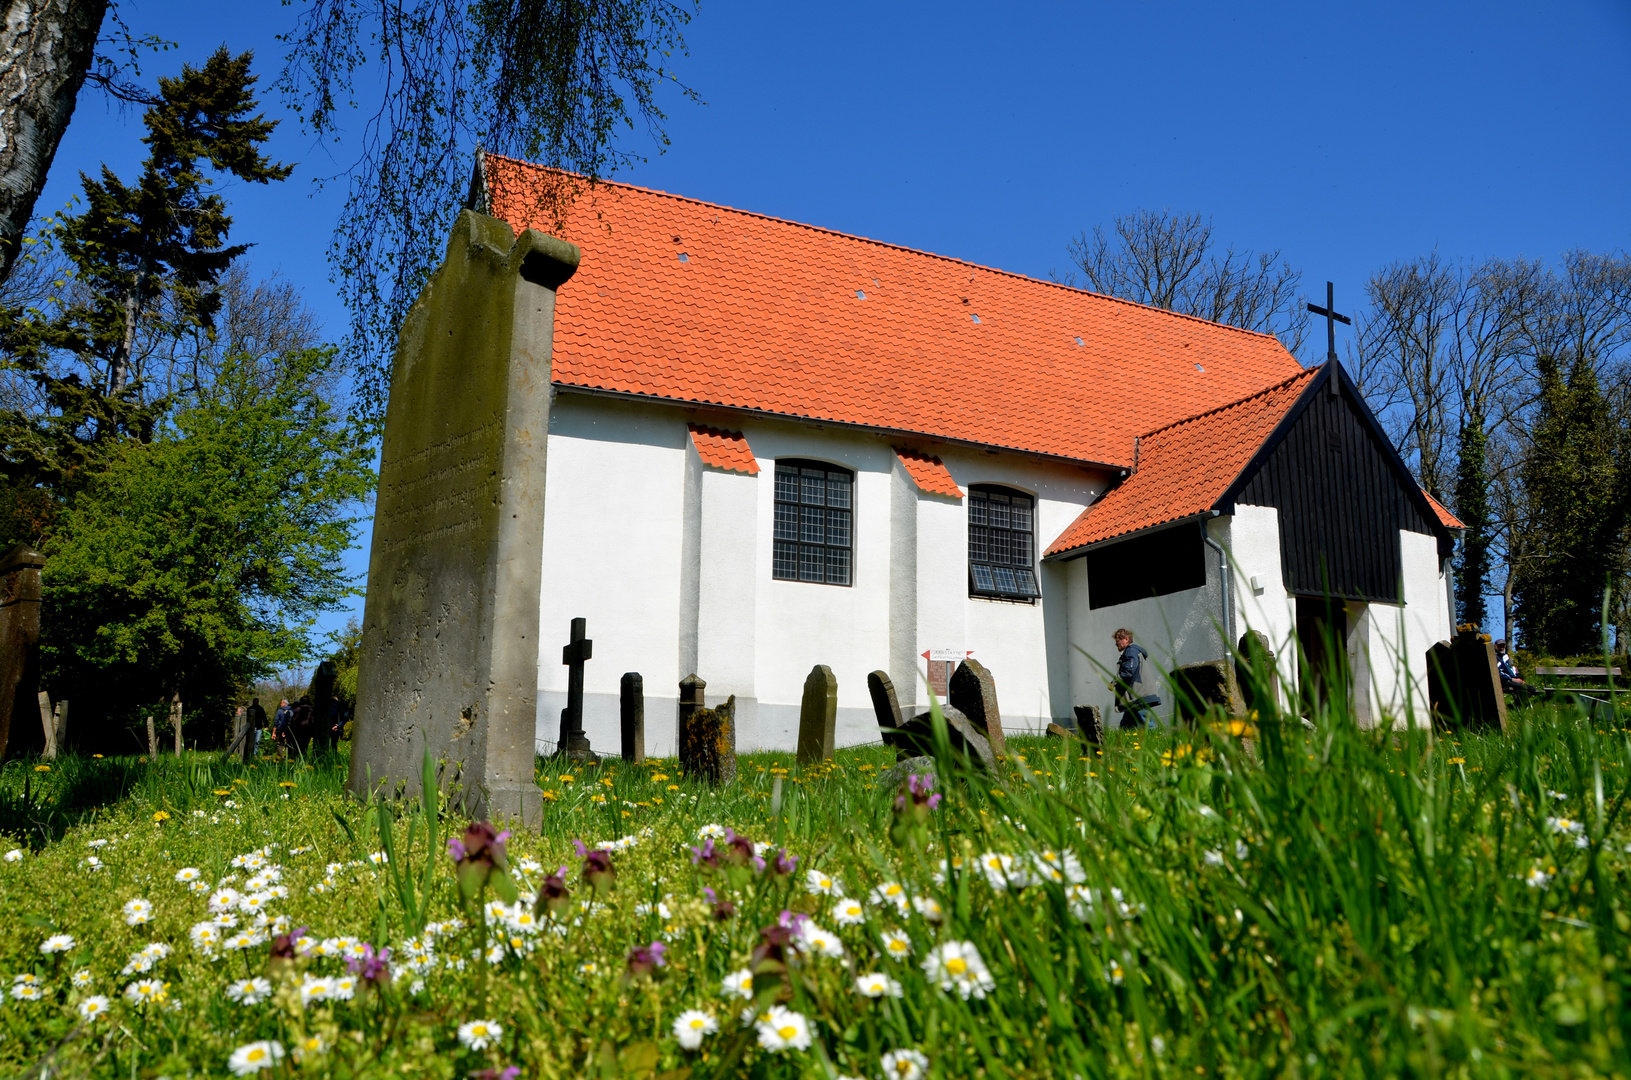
(631, 702)
(818, 716)
(973, 693)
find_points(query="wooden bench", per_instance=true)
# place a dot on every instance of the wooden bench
(1580, 672)
(1600, 675)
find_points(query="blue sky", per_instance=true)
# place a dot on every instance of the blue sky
(1346, 135)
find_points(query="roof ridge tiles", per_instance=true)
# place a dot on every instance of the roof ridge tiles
(1281, 385)
(885, 244)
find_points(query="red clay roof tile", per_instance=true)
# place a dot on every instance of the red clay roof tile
(1185, 467)
(724, 449)
(928, 473)
(777, 317)
(1445, 518)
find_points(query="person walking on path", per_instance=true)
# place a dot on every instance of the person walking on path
(1135, 711)
(302, 724)
(255, 717)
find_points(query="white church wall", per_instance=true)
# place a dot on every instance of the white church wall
(1253, 543)
(1399, 637)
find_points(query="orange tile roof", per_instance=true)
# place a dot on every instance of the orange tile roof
(1184, 468)
(928, 473)
(1445, 518)
(724, 449)
(688, 301)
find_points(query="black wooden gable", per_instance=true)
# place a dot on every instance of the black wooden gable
(1343, 495)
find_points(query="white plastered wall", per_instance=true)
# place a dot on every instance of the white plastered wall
(1388, 646)
(670, 562)
(1259, 594)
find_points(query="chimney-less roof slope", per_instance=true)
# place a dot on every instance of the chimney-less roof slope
(688, 301)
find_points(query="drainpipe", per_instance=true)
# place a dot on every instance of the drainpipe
(1224, 574)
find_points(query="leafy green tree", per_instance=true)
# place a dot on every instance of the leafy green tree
(1472, 507)
(195, 562)
(1576, 516)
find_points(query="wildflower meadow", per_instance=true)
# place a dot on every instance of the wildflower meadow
(1238, 899)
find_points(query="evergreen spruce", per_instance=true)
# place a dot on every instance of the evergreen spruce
(1472, 507)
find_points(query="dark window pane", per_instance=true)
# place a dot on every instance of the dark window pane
(786, 562)
(815, 487)
(787, 522)
(979, 548)
(1019, 548)
(982, 578)
(787, 484)
(1004, 577)
(810, 563)
(838, 528)
(1020, 514)
(838, 490)
(999, 512)
(812, 525)
(978, 510)
(1027, 583)
(837, 566)
(999, 546)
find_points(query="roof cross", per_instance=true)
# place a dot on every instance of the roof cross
(1331, 320)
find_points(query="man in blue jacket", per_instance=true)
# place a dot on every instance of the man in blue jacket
(1135, 710)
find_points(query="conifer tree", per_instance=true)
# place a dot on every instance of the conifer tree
(1472, 507)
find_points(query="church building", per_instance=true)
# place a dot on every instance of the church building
(772, 446)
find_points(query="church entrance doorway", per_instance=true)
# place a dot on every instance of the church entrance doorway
(1322, 640)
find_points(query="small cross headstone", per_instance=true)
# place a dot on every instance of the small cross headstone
(818, 715)
(886, 706)
(574, 744)
(19, 642)
(707, 736)
(973, 692)
(632, 717)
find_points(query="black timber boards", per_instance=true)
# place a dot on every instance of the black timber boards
(1342, 497)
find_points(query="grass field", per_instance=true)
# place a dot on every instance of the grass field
(1267, 901)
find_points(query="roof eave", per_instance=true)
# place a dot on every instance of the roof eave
(1082, 549)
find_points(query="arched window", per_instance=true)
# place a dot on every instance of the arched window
(814, 508)
(1001, 543)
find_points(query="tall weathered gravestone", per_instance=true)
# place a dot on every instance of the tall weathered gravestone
(632, 717)
(707, 736)
(450, 646)
(885, 706)
(19, 644)
(973, 692)
(1256, 673)
(1463, 682)
(914, 738)
(818, 716)
(321, 693)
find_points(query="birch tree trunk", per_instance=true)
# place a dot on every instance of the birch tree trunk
(46, 47)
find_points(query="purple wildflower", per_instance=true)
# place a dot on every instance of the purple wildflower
(371, 967)
(644, 959)
(598, 873)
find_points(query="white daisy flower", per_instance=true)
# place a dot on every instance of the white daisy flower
(1241, 850)
(480, 1034)
(344, 988)
(929, 908)
(716, 832)
(14, 855)
(783, 1029)
(93, 1007)
(205, 936)
(588, 967)
(1565, 825)
(890, 892)
(27, 991)
(249, 991)
(96, 843)
(691, 1026)
(821, 884)
(956, 965)
(1537, 878)
(188, 873)
(253, 903)
(876, 985)
(737, 984)
(143, 991)
(82, 979)
(137, 911)
(378, 858)
(820, 941)
(1061, 868)
(57, 943)
(315, 988)
(528, 865)
(848, 912)
(1080, 901)
(1115, 973)
(311, 1044)
(896, 945)
(222, 900)
(905, 1065)
(1214, 858)
(225, 920)
(254, 1057)
(27, 978)
(998, 870)
(198, 888)
(243, 939)
(92, 863)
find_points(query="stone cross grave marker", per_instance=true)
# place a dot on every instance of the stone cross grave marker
(19, 641)
(885, 706)
(973, 692)
(152, 740)
(450, 638)
(818, 715)
(175, 719)
(632, 714)
(574, 744)
(707, 736)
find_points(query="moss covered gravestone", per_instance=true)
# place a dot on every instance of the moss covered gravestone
(450, 645)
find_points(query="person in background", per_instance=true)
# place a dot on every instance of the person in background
(255, 717)
(1511, 682)
(1135, 711)
(280, 721)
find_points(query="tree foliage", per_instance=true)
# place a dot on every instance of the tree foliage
(552, 81)
(1171, 261)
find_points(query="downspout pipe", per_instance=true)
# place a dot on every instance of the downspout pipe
(1224, 574)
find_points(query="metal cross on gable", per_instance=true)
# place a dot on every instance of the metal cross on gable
(1331, 320)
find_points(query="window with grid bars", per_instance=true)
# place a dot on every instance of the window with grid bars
(1001, 544)
(813, 522)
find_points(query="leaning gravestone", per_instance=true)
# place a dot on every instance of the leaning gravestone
(1090, 724)
(632, 717)
(19, 645)
(1256, 674)
(450, 648)
(707, 736)
(973, 692)
(885, 706)
(1201, 686)
(1463, 682)
(818, 716)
